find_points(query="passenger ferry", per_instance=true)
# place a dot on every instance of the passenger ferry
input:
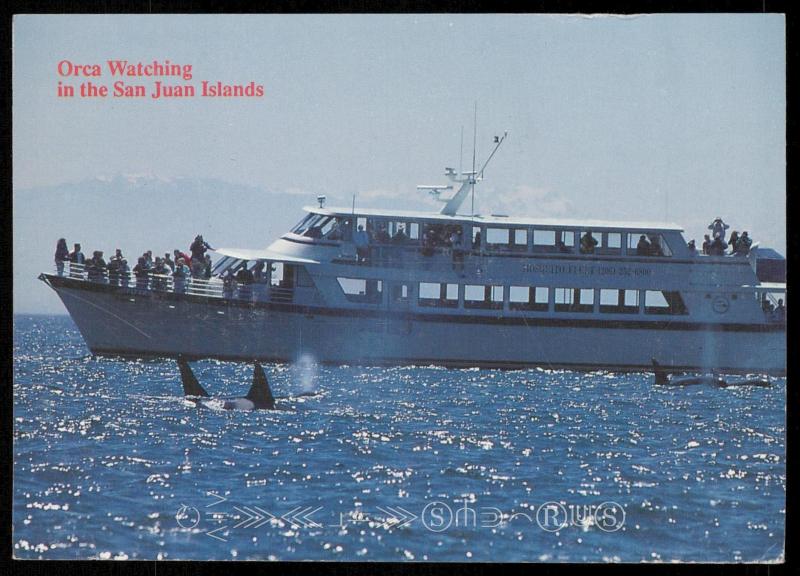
(357, 286)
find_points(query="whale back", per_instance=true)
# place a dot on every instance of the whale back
(260, 393)
(191, 387)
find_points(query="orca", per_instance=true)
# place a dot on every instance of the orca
(760, 382)
(258, 398)
(663, 378)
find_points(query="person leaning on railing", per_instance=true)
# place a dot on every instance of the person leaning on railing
(62, 255)
(179, 275)
(141, 271)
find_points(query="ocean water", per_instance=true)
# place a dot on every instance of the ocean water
(390, 464)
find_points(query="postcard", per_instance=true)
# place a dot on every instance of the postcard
(408, 287)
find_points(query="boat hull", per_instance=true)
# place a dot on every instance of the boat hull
(150, 324)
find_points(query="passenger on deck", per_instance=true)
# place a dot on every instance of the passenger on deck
(167, 268)
(76, 256)
(382, 236)
(113, 271)
(743, 245)
(780, 312)
(198, 268)
(476, 242)
(244, 276)
(588, 243)
(455, 238)
(114, 267)
(706, 244)
(199, 247)
(97, 266)
(692, 248)
(141, 271)
(179, 275)
(124, 272)
(178, 254)
(258, 272)
(400, 236)
(361, 240)
(227, 284)
(644, 248)
(766, 305)
(717, 246)
(733, 240)
(207, 267)
(62, 255)
(158, 271)
(169, 261)
(456, 241)
(148, 256)
(718, 227)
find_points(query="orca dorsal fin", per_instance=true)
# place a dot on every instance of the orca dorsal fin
(260, 393)
(191, 387)
(660, 375)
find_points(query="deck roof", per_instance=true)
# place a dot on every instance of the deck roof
(500, 220)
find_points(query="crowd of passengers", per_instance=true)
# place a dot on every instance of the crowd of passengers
(739, 244)
(451, 237)
(148, 271)
(776, 313)
(433, 237)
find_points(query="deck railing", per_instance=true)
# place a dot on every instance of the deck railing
(153, 282)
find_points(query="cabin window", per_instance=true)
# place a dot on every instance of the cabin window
(619, 301)
(507, 239)
(480, 296)
(340, 229)
(361, 290)
(664, 302)
(544, 240)
(648, 244)
(528, 298)
(401, 292)
(553, 240)
(319, 226)
(497, 237)
(303, 224)
(436, 294)
(574, 299)
(611, 243)
(276, 274)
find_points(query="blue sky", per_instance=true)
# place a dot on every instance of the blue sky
(665, 117)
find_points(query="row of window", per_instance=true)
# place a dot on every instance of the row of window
(465, 236)
(530, 298)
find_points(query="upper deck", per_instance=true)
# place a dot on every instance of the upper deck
(495, 234)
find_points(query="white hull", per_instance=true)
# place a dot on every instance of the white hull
(170, 325)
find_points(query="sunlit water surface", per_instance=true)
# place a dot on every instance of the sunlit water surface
(411, 463)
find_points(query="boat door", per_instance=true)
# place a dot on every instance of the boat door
(400, 297)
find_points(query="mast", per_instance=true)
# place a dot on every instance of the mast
(467, 181)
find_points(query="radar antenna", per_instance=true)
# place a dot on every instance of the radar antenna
(467, 181)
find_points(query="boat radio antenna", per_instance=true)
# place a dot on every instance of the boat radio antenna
(466, 179)
(474, 151)
(461, 153)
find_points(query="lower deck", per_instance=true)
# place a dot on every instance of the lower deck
(117, 320)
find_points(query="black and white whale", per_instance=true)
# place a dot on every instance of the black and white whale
(662, 377)
(258, 398)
